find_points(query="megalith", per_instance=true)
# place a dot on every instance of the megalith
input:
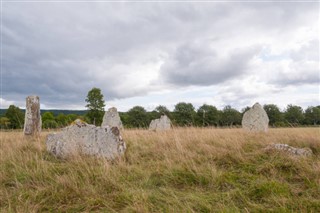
(255, 119)
(32, 121)
(290, 150)
(163, 123)
(83, 138)
(111, 118)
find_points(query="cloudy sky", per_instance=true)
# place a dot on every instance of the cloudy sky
(151, 53)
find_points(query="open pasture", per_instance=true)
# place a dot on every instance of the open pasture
(182, 170)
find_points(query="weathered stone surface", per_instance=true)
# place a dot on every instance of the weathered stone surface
(111, 118)
(255, 119)
(32, 122)
(83, 138)
(291, 150)
(163, 123)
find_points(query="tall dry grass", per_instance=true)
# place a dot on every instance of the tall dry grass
(183, 170)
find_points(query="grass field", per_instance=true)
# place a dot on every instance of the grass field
(183, 170)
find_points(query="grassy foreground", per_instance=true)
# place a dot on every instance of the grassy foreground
(183, 170)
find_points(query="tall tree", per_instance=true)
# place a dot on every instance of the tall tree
(230, 116)
(137, 117)
(163, 110)
(207, 115)
(15, 116)
(95, 106)
(312, 115)
(184, 114)
(274, 114)
(294, 114)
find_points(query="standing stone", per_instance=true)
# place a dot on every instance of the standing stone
(83, 138)
(163, 123)
(32, 122)
(255, 119)
(111, 118)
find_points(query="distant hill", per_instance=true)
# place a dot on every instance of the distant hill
(54, 111)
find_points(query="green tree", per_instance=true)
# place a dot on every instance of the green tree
(274, 114)
(312, 115)
(95, 106)
(244, 110)
(153, 115)
(61, 120)
(48, 121)
(72, 117)
(47, 116)
(158, 112)
(125, 119)
(163, 110)
(15, 116)
(4, 123)
(50, 124)
(294, 114)
(207, 115)
(230, 116)
(137, 117)
(184, 114)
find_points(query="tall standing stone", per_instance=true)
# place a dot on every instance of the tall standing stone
(111, 118)
(255, 119)
(32, 122)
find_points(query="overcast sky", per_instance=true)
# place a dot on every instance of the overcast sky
(148, 53)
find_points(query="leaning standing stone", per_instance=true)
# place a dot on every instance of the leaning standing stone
(255, 119)
(32, 122)
(111, 118)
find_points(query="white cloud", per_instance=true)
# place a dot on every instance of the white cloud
(5, 103)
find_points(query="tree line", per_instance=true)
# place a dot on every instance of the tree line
(183, 114)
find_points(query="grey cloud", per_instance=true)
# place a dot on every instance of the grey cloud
(299, 74)
(199, 64)
(61, 50)
(303, 67)
(54, 85)
(309, 51)
(280, 16)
